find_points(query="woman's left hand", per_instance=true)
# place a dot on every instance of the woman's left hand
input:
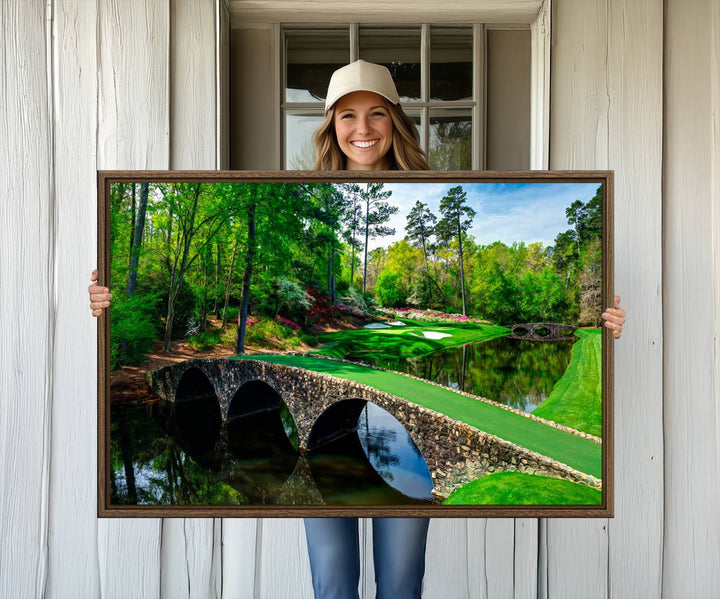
(615, 318)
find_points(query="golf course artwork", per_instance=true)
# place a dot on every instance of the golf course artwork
(355, 344)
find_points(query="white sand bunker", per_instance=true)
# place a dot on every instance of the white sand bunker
(396, 323)
(376, 325)
(433, 334)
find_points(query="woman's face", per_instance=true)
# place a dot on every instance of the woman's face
(364, 130)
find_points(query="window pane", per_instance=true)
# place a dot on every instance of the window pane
(451, 56)
(508, 100)
(398, 50)
(415, 117)
(311, 57)
(299, 149)
(450, 139)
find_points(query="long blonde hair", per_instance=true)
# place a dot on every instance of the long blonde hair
(405, 153)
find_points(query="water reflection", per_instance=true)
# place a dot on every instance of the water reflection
(180, 454)
(392, 453)
(515, 372)
(374, 461)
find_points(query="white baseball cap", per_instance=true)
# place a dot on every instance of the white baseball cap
(361, 76)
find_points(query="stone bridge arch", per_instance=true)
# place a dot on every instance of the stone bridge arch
(541, 331)
(252, 397)
(198, 420)
(337, 419)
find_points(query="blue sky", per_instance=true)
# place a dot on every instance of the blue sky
(506, 212)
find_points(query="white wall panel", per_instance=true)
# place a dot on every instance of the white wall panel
(607, 113)
(692, 398)
(635, 85)
(134, 84)
(491, 557)
(577, 550)
(525, 561)
(239, 557)
(447, 558)
(73, 559)
(189, 566)
(193, 85)
(27, 314)
(133, 131)
(282, 567)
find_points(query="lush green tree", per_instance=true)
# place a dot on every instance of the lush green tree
(353, 219)
(590, 283)
(457, 218)
(201, 211)
(389, 289)
(420, 228)
(377, 213)
(403, 262)
(327, 209)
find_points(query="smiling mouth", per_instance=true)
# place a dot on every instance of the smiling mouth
(364, 144)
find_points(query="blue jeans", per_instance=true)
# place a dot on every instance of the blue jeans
(398, 552)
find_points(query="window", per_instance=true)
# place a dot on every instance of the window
(468, 88)
(437, 70)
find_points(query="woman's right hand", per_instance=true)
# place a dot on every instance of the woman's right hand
(99, 296)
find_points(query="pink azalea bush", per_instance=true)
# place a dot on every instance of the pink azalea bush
(434, 316)
(286, 321)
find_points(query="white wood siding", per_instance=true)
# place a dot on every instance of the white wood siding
(117, 84)
(133, 133)
(189, 566)
(27, 315)
(691, 304)
(74, 568)
(606, 112)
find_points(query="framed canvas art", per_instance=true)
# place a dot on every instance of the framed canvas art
(355, 344)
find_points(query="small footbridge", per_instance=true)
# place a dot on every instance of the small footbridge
(541, 331)
(324, 407)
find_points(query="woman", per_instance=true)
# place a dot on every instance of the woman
(365, 129)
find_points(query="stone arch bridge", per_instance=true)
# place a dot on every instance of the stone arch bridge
(541, 331)
(454, 452)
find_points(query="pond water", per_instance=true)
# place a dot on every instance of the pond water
(166, 456)
(516, 372)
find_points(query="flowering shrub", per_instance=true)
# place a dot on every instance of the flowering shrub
(321, 311)
(349, 310)
(434, 316)
(354, 299)
(250, 320)
(286, 321)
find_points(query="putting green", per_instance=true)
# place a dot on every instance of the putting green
(579, 453)
(404, 341)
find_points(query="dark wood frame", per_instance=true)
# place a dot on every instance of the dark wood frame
(105, 509)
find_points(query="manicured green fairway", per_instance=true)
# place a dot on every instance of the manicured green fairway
(576, 399)
(404, 341)
(581, 454)
(517, 488)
